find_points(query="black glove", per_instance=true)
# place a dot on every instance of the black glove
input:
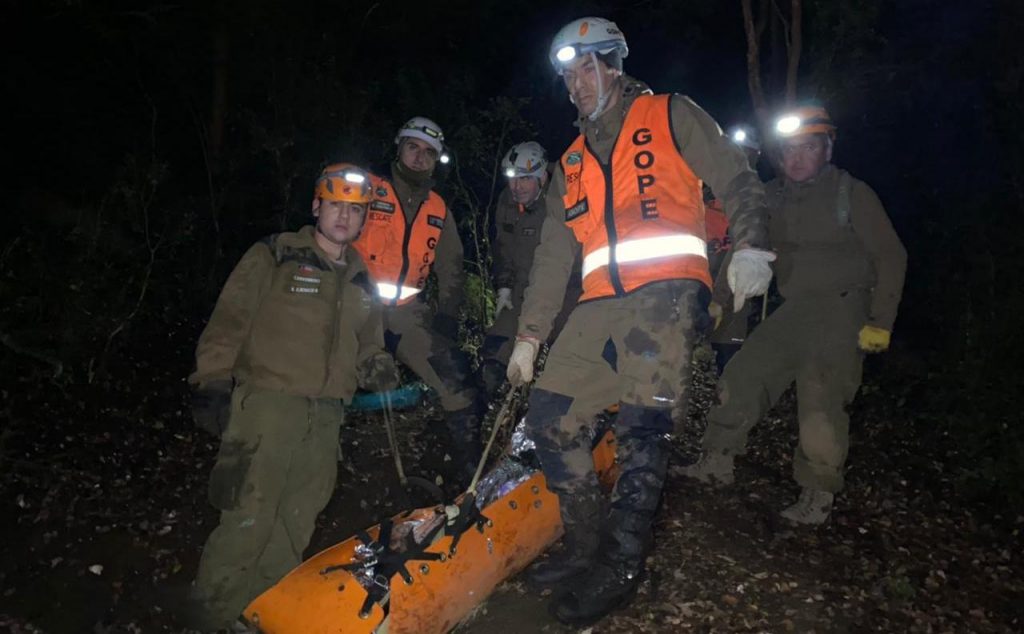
(378, 373)
(447, 326)
(211, 406)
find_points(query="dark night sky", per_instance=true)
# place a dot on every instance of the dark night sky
(80, 79)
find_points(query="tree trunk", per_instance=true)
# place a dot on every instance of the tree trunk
(793, 50)
(754, 32)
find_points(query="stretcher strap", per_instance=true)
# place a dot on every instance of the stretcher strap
(387, 562)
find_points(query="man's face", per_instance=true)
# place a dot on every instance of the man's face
(524, 189)
(417, 155)
(581, 79)
(339, 221)
(804, 156)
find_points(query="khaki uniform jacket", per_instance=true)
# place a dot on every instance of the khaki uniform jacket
(289, 320)
(711, 156)
(821, 253)
(518, 234)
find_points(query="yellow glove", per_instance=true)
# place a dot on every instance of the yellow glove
(715, 310)
(873, 339)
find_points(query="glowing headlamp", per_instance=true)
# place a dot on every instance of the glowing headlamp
(354, 178)
(445, 158)
(739, 136)
(788, 124)
(510, 172)
(566, 54)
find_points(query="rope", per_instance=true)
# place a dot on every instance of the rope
(392, 438)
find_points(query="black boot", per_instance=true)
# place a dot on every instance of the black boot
(613, 581)
(607, 586)
(464, 444)
(581, 516)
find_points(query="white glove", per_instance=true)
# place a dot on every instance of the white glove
(520, 364)
(749, 275)
(503, 301)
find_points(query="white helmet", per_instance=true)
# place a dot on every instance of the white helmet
(744, 136)
(423, 129)
(586, 35)
(525, 159)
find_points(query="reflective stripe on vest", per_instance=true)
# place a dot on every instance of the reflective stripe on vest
(390, 291)
(645, 206)
(400, 253)
(645, 249)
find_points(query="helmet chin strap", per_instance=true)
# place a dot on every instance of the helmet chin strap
(602, 96)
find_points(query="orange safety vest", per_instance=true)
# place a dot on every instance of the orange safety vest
(640, 218)
(399, 254)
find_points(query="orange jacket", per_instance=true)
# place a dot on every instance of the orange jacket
(640, 219)
(399, 253)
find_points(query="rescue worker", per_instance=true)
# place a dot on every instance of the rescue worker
(518, 219)
(840, 271)
(729, 326)
(628, 192)
(295, 329)
(409, 233)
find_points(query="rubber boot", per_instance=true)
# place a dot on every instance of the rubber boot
(712, 468)
(464, 444)
(613, 581)
(812, 507)
(581, 515)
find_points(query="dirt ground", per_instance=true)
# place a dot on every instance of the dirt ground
(104, 513)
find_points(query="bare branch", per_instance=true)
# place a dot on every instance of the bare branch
(754, 58)
(785, 25)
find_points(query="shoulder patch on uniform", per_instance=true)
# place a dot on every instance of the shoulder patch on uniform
(435, 221)
(576, 210)
(574, 158)
(381, 205)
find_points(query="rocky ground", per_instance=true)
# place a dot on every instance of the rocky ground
(102, 490)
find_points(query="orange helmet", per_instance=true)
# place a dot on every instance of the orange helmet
(344, 181)
(805, 120)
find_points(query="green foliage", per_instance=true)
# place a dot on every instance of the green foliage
(900, 587)
(475, 312)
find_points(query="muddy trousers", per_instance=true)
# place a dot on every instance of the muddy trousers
(445, 367)
(634, 350)
(814, 343)
(501, 338)
(275, 472)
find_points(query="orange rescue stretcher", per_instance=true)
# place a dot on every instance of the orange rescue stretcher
(423, 571)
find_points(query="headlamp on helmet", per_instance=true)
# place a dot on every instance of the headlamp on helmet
(423, 129)
(525, 159)
(744, 137)
(805, 120)
(583, 37)
(344, 182)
